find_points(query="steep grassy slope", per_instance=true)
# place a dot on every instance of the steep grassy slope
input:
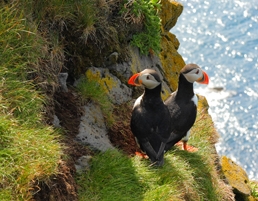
(29, 150)
(185, 176)
(38, 40)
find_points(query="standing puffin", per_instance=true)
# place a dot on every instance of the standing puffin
(182, 105)
(150, 121)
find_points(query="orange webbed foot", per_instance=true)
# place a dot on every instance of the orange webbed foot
(141, 155)
(187, 147)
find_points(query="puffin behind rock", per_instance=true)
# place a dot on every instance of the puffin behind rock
(182, 105)
(150, 121)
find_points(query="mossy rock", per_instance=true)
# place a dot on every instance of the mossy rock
(237, 178)
(202, 103)
(111, 85)
(172, 61)
(170, 12)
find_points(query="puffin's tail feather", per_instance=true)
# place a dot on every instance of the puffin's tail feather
(156, 158)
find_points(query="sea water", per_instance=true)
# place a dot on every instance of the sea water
(222, 38)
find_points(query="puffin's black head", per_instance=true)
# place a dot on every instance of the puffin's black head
(149, 78)
(193, 73)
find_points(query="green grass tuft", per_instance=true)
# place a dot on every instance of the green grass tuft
(254, 189)
(26, 154)
(29, 151)
(90, 89)
(145, 12)
(112, 177)
(184, 176)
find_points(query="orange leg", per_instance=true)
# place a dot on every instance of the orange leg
(141, 155)
(179, 144)
(189, 148)
(186, 147)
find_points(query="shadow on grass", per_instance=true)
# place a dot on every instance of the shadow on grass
(112, 176)
(200, 171)
(115, 176)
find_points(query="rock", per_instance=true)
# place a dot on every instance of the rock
(170, 11)
(82, 164)
(236, 177)
(202, 102)
(140, 62)
(137, 63)
(92, 128)
(111, 59)
(121, 69)
(114, 88)
(56, 122)
(62, 77)
(172, 61)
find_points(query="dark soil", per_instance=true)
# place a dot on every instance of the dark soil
(120, 133)
(68, 108)
(62, 187)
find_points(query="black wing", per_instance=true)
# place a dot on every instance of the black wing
(151, 128)
(183, 115)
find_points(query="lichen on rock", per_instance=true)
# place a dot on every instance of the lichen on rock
(172, 62)
(170, 12)
(236, 177)
(113, 87)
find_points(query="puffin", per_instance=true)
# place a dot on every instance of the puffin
(182, 105)
(150, 120)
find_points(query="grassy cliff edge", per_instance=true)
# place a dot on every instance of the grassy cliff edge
(41, 39)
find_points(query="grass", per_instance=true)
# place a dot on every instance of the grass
(57, 15)
(54, 9)
(145, 12)
(29, 150)
(254, 189)
(185, 176)
(90, 89)
(112, 178)
(27, 154)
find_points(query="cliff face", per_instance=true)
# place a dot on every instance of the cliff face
(85, 61)
(171, 61)
(112, 76)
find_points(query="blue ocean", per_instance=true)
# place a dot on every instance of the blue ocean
(222, 38)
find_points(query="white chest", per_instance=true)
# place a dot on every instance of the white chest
(195, 100)
(138, 101)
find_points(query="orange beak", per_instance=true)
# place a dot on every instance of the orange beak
(134, 80)
(205, 78)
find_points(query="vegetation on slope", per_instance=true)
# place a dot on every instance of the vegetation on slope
(145, 12)
(87, 31)
(71, 36)
(184, 176)
(35, 45)
(29, 150)
(90, 89)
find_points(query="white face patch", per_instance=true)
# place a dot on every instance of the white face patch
(194, 75)
(149, 81)
(195, 100)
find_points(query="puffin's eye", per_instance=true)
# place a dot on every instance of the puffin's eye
(197, 72)
(148, 77)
